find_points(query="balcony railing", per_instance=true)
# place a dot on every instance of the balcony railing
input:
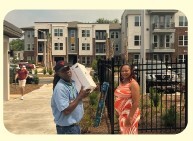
(162, 25)
(162, 45)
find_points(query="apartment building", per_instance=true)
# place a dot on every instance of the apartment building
(164, 34)
(181, 37)
(165, 38)
(71, 41)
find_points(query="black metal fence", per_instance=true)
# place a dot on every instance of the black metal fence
(163, 102)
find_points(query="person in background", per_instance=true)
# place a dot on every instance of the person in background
(66, 102)
(21, 74)
(127, 97)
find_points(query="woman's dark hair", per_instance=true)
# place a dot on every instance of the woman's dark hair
(56, 79)
(132, 75)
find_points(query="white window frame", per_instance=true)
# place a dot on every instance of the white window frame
(183, 40)
(138, 41)
(56, 46)
(85, 33)
(58, 32)
(182, 58)
(167, 41)
(137, 21)
(155, 41)
(183, 22)
(72, 47)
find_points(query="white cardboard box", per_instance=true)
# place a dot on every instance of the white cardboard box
(82, 77)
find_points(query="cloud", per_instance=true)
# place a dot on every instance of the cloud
(25, 18)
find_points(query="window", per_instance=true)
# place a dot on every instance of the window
(72, 47)
(101, 35)
(28, 34)
(116, 47)
(136, 57)
(56, 47)
(88, 46)
(32, 46)
(85, 33)
(72, 33)
(183, 21)
(166, 57)
(137, 40)
(28, 47)
(61, 46)
(85, 46)
(83, 60)
(183, 40)
(155, 57)
(182, 58)
(155, 41)
(100, 47)
(32, 34)
(58, 32)
(161, 41)
(40, 47)
(167, 40)
(114, 35)
(168, 21)
(156, 21)
(86, 60)
(137, 20)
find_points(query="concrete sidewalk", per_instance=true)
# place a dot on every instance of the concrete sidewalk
(32, 115)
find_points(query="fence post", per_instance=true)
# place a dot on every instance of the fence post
(112, 98)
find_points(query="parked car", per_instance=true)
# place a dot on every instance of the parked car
(180, 72)
(13, 68)
(157, 75)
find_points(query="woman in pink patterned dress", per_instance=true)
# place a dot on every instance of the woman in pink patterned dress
(127, 98)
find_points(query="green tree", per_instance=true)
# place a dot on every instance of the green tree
(102, 20)
(17, 44)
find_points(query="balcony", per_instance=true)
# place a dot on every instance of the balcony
(163, 27)
(162, 47)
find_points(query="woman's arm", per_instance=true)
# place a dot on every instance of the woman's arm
(135, 101)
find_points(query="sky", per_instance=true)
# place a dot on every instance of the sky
(26, 18)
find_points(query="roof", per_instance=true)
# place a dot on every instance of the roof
(11, 30)
(115, 26)
(28, 28)
(73, 24)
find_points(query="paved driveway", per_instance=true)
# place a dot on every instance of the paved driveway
(32, 115)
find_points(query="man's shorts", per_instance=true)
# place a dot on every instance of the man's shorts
(22, 83)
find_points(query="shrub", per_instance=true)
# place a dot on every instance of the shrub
(155, 96)
(94, 65)
(50, 71)
(93, 98)
(170, 117)
(36, 79)
(36, 71)
(44, 71)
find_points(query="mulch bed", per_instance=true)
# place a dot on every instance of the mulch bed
(14, 88)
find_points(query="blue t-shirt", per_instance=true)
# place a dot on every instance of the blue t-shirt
(63, 94)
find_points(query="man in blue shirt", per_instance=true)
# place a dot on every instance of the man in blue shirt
(66, 102)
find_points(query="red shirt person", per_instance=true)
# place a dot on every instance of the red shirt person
(22, 74)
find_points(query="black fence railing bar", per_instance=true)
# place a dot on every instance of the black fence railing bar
(163, 103)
